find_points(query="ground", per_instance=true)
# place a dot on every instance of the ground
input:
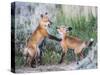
(58, 67)
(89, 62)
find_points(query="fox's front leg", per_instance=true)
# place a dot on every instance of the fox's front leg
(63, 56)
(53, 37)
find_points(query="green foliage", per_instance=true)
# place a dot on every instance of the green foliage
(83, 28)
(51, 57)
(19, 60)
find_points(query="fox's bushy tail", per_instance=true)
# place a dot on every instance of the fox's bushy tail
(90, 42)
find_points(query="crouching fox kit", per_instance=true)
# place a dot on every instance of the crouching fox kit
(32, 51)
(70, 42)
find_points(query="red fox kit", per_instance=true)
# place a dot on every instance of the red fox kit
(70, 42)
(32, 51)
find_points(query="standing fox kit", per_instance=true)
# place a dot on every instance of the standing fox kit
(69, 42)
(32, 51)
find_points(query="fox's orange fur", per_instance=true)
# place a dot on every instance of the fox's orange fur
(32, 48)
(69, 42)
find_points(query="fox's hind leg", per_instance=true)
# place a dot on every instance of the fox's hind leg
(41, 51)
(26, 60)
(81, 55)
(77, 52)
(38, 57)
(76, 58)
(35, 58)
(29, 61)
(26, 56)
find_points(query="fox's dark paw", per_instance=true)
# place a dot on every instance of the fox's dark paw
(77, 63)
(33, 66)
(60, 62)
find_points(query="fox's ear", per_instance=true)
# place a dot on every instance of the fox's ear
(46, 13)
(41, 15)
(70, 28)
